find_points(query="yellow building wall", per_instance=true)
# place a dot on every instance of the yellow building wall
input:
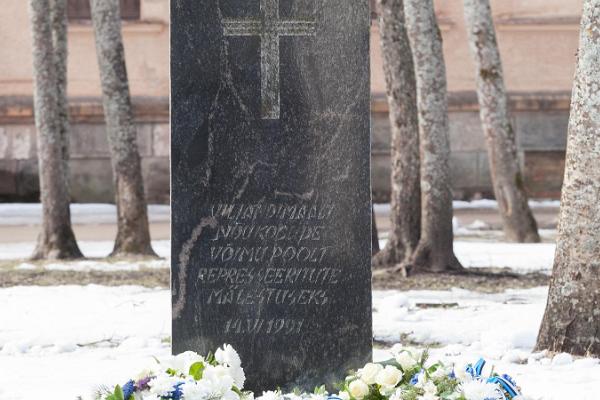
(146, 49)
(538, 40)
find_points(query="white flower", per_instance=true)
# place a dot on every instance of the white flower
(397, 395)
(441, 372)
(388, 376)
(406, 360)
(147, 396)
(218, 378)
(369, 372)
(430, 388)
(163, 385)
(344, 395)
(480, 390)
(358, 389)
(181, 363)
(462, 375)
(428, 396)
(228, 356)
(271, 395)
(238, 375)
(193, 390)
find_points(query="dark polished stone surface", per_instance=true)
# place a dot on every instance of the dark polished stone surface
(270, 185)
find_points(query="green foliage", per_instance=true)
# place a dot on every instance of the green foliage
(117, 394)
(211, 360)
(320, 390)
(196, 370)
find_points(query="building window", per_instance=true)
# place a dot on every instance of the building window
(79, 10)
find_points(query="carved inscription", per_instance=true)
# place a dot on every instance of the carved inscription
(270, 255)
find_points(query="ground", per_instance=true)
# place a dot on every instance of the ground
(71, 326)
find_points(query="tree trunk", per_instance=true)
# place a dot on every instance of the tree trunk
(572, 319)
(133, 235)
(435, 249)
(401, 93)
(60, 24)
(517, 218)
(57, 240)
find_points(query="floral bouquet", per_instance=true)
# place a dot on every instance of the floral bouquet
(407, 376)
(187, 376)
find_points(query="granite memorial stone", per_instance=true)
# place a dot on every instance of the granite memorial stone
(271, 216)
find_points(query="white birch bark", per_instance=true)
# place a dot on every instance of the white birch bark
(57, 240)
(518, 221)
(133, 234)
(401, 93)
(435, 249)
(572, 319)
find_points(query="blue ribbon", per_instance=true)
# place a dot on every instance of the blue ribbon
(505, 382)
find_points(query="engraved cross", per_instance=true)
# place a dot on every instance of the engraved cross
(269, 27)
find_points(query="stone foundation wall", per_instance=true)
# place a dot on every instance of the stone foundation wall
(91, 175)
(540, 121)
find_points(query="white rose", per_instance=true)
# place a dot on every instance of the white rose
(388, 376)
(462, 375)
(397, 395)
(430, 388)
(344, 395)
(441, 372)
(369, 372)
(406, 360)
(358, 389)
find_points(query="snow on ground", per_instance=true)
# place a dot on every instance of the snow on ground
(69, 339)
(519, 257)
(483, 204)
(15, 214)
(22, 250)
(502, 328)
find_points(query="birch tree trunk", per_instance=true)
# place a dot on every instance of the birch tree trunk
(60, 25)
(507, 178)
(401, 93)
(572, 319)
(133, 235)
(435, 249)
(57, 240)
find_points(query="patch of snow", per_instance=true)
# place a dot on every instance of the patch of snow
(12, 214)
(26, 266)
(471, 319)
(100, 249)
(483, 204)
(493, 204)
(519, 257)
(69, 339)
(478, 225)
(562, 359)
(86, 266)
